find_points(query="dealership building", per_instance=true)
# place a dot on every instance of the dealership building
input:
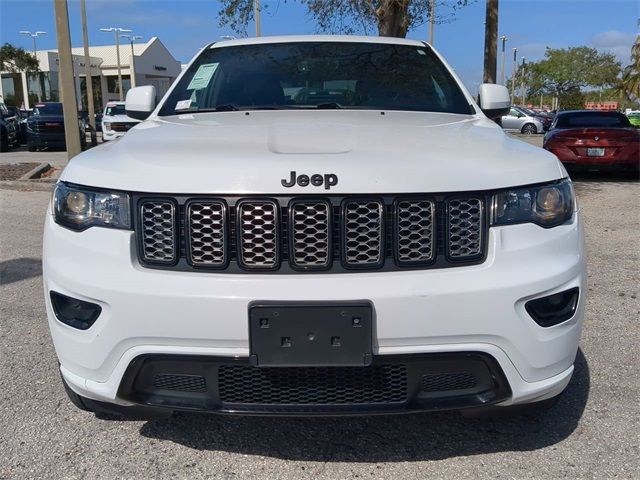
(149, 63)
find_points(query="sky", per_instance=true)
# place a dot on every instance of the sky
(186, 25)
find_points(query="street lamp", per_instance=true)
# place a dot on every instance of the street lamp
(132, 74)
(117, 31)
(514, 71)
(522, 92)
(33, 36)
(504, 45)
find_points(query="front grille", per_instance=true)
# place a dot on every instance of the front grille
(181, 383)
(443, 382)
(158, 231)
(363, 223)
(258, 233)
(239, 384)
(309, 234)
(121, 126)
(464, 219)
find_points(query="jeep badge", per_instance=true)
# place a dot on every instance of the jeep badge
(329, 180)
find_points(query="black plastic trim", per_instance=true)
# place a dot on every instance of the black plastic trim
(137, 385)
(483, 228)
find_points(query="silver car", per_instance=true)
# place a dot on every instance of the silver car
(520, 121)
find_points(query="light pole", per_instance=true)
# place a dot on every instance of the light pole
(504, 54)
(522, 93)
(514, 71)
(88, 79)
(432, 20)
(33, 37)
(132, 73)
(117, 31)
(256, 14)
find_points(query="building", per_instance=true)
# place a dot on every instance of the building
(150, 64)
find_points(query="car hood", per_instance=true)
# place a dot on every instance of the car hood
(370, 152)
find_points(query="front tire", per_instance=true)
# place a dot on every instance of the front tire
(529, 129)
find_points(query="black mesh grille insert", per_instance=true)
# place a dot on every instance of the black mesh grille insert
(415, 230)
(443, 382)
(313, 385)
(206, 223)
(465, 217)
(306, 233)
(157, 218)
(182, 383)
(363, 222)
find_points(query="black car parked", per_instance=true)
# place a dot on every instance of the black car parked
(21, 116)
(8, 129)
(45, 127)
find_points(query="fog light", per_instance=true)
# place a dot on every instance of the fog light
(73, 312)
(553, 309)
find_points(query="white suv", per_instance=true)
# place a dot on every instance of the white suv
(116, 122)
(315, 225)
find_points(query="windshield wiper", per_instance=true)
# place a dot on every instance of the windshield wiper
(231, 107)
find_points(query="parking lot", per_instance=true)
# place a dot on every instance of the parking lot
(593, 432)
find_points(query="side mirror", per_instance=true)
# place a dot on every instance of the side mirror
(494, 100)
(140, 102)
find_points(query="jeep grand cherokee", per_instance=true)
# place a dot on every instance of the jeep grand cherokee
(314, 225)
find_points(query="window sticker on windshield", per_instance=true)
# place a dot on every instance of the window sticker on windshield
(203, 76)
(183, 104)
(421, 52)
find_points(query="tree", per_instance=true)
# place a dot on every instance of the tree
(630, 82)
(564, 72)
(16, 59)
(392, 18)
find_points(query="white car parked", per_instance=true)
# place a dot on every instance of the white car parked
(518, 120)
(315, 225)
(116, 122)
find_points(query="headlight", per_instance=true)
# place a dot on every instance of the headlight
(547, 205)
(106, 125)
(79, 208)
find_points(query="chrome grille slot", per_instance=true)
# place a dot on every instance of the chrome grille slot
(310, 234)
(363, 225)
(465, 226)
(258, 234)
(415, 225)
(207, 233)
(158, 235)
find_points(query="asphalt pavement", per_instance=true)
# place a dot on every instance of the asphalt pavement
(593, 432)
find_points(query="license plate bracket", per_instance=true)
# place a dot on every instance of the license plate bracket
(311, 334)
(595, 152)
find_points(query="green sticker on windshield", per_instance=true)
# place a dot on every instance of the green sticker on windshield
(203, 76)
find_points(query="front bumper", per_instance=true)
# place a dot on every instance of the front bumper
(466, 309)
(41, 140)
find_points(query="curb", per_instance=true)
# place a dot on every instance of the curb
(27, 185)
(35, 172)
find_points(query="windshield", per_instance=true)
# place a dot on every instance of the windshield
(47, 109)
(592, 119)
(368, 76)
(115, 110)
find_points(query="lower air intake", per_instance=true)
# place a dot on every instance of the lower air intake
(313, 385)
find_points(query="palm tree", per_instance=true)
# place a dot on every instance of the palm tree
(630, 81)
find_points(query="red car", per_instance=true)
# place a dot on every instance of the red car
(594, 140)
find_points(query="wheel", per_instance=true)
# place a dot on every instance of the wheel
(110, 411)
(32, 148)
(4, 142)
(529, 129)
